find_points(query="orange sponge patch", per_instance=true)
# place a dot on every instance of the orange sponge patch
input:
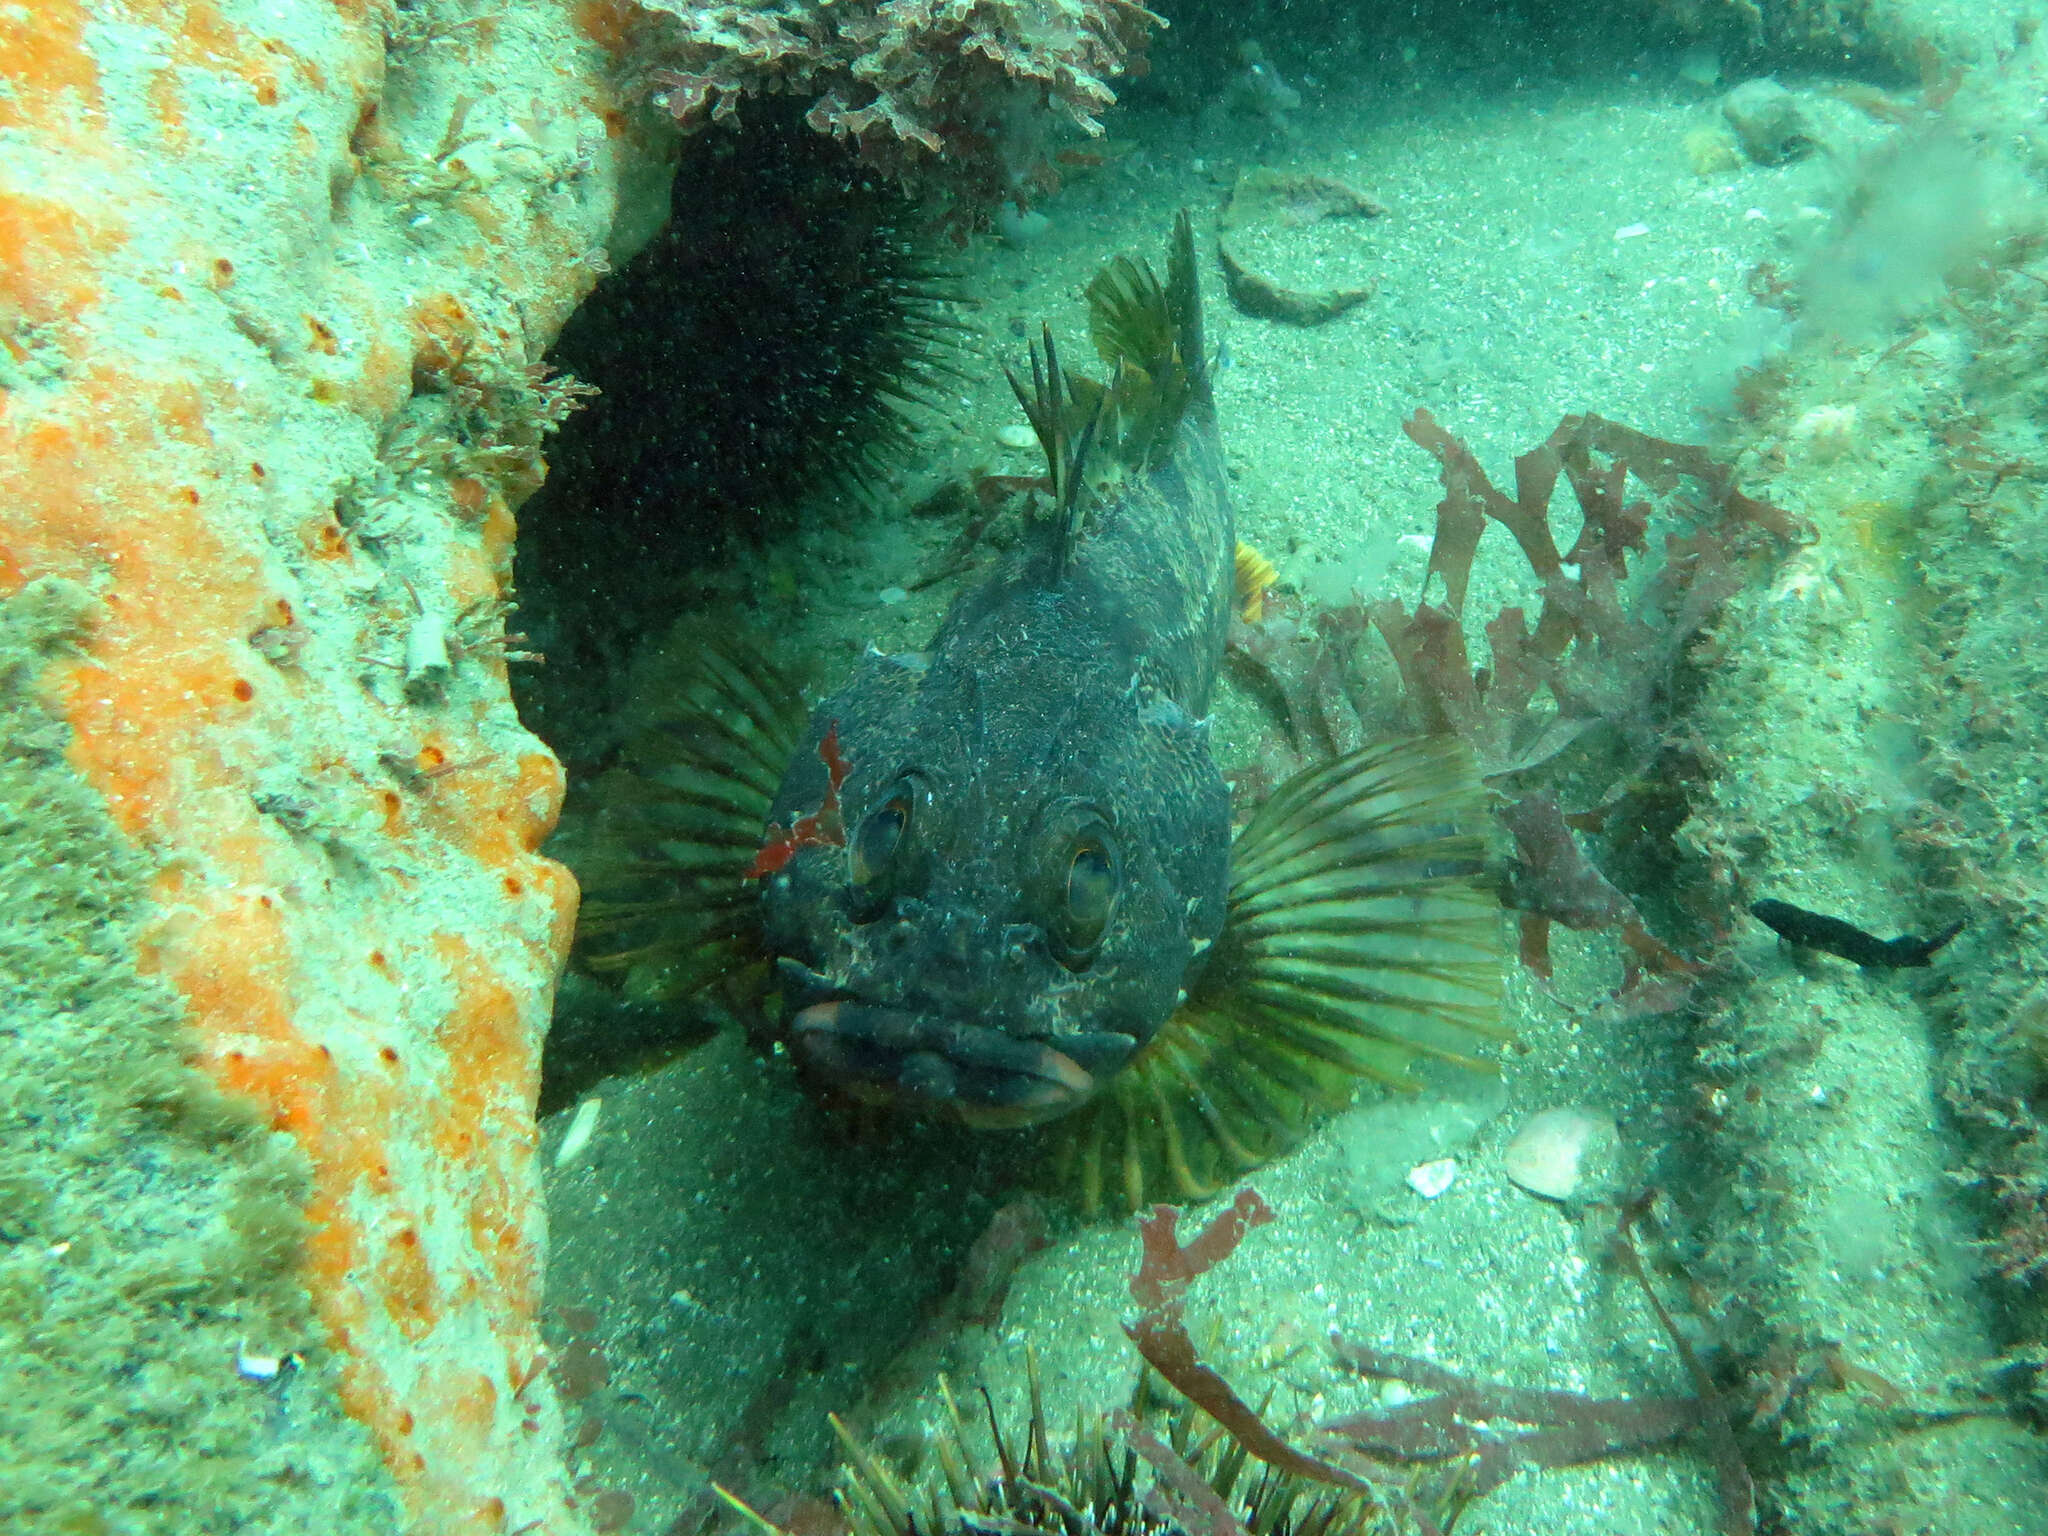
(608, 23)
(493, 1069)
(48, 71)
(90, 502)
(46, 250)
(406, 1284)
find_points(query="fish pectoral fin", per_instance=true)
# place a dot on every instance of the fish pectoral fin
(668, 908)
(1361, 931)
(1360, 938)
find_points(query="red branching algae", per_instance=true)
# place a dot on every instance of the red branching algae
(1160, 1287)
(1483, 1432)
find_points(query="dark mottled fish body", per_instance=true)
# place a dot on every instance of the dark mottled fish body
(995, 879)
(1057, 716)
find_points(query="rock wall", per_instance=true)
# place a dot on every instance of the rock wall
(273, 282)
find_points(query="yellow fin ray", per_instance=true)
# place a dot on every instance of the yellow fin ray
(1360, 938)
(1255, 573)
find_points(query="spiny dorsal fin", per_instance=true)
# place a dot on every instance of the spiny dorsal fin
(1152, 333)
(1066, 411)
(1184, 300)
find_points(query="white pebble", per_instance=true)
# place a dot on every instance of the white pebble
(1631, 231)
(1431, 1179)
(1017, 435)
(257, 1367)
(889, 597)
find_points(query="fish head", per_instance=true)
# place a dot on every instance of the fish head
(1005, 891)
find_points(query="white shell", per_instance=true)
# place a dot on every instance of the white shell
(582, 1125)
(426, 650)
(257, 1367)
(1549, 1155)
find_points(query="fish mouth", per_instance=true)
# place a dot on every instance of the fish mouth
(981, 1076)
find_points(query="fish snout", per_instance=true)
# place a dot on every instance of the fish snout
(956, 960)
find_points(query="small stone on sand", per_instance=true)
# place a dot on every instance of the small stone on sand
(1432, 1178)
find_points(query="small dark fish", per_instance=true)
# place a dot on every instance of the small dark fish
(997, 880)
(1813, 930)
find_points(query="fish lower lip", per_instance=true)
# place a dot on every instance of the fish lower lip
(984, 1076)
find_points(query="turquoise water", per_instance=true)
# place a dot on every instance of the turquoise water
(1848, 1184)
(1647, 401)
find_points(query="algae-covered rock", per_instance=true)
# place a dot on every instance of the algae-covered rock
(159, 1353)
(1769, 122)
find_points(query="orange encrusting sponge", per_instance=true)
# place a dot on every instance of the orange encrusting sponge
(206, 328)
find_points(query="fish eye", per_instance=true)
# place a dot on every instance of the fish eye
(879, 855)
(880, 835)
(1080, 876)
(1091, 891)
